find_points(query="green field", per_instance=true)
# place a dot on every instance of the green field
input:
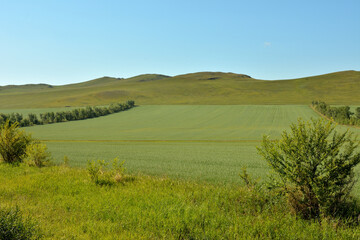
(199, 122)
(195, 88)
(211, 162)
(185, 161)
(196, 155)
(204, 142)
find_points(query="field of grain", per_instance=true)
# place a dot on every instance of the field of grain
(195, 122)
(202, 142)
(185, 161)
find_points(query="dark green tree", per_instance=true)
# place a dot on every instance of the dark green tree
(357, 112)
(13, 142)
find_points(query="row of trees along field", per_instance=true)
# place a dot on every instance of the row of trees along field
(342, 115)
(64, 116)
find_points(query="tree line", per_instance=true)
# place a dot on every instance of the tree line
(65, 116)
(342, 114)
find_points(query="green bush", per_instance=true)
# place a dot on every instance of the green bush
(36, 155)
(104, 173)
(316, 167)
(13, 142)
(247, 179)
(66, 161)
(13, 226)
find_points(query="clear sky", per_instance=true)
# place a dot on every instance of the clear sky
(60, 42)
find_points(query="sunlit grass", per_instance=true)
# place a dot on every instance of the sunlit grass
(68, 205)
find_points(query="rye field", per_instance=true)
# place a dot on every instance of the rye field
(180, 120)
(203, 143)
(174, 122)
(200, 142)
(185, 162)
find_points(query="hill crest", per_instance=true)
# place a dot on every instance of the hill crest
(212, 76)
(193, 88)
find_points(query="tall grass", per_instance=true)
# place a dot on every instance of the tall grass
(68, 205)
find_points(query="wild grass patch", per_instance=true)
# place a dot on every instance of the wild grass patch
(67, 204)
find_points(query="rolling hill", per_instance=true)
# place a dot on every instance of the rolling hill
(195, 88)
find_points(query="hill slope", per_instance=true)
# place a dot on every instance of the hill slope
(195, 88)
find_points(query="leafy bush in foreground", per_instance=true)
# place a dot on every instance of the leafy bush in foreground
(13, 226)
(13, 142)
(316, 167)
(36, 155)
(155, 208)
(104, 173)
(17, 146)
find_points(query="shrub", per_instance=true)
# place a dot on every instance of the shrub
(247, 179)
(36, 155)
(316, 167)
(104, 173)
(66, 161)
(13, 142)
(13, 226)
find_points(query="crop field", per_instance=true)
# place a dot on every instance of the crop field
(195, 152)
(212, 162)
(204, 142)
(217, 123)
(181, 120)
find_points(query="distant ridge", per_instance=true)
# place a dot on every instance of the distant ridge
(192, 88)
(40, 85)
(148, 77)
(212, 76)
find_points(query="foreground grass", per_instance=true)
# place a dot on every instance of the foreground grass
(67, 205)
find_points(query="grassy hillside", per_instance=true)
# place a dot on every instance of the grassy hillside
(36, 111)
(195, 88)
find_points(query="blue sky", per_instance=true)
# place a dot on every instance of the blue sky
(60, 42)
